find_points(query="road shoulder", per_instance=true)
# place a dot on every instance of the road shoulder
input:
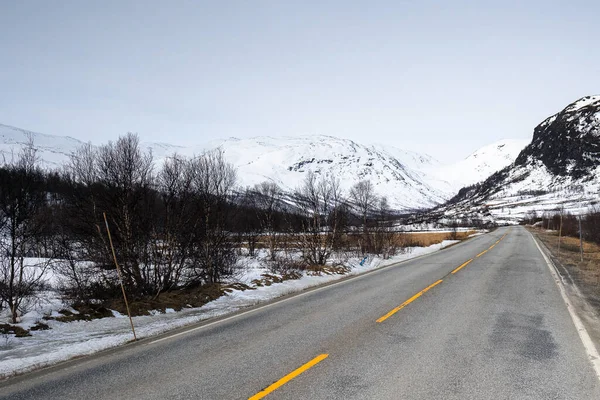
(580, 308)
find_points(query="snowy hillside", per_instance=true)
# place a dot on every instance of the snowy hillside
(482, 163)
(560, 168)
(53, 150)
(410, 180)
(286, 161)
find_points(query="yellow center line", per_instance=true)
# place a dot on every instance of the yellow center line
(318, 359)
(289, 377)
(485, 251)
(407, 302)
(462, 266)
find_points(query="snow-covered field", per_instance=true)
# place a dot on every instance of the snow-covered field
(67, 340)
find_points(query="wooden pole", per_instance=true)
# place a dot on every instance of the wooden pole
(559, 233)
(580, 239)
(120, 277)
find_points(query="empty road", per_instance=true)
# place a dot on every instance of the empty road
(480, 320)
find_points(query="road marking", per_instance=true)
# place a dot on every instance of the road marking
(293, 296)
(462, 266)
(407, 302)
(491, 247)
(478, 255)
(288, 377)
(416, 296)
(590, 349)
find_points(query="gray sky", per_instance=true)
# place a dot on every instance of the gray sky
(442, 78)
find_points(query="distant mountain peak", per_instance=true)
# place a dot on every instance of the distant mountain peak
(582, 102)
(568, 143)
(481, 163)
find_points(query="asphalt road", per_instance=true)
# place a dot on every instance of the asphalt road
(497, 328)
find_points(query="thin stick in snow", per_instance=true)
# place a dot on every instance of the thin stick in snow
(120, 278)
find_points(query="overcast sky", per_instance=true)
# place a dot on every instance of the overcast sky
(443, 78)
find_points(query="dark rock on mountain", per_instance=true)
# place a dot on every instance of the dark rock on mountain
(559, 169)
(568, 143)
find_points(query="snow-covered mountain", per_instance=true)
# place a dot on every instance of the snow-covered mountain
(397, 174)
(482, 163)
(559, 169)
(52, 150)
(410, 180)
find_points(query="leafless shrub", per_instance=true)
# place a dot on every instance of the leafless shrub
(22, 204)
(320, 201)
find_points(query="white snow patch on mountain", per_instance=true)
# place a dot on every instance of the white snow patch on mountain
(287, 160)
(584, 101)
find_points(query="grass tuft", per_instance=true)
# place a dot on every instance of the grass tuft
(6, 329)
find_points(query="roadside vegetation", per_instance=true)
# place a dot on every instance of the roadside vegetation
(179, 230)
(568, 224)
(580, 257)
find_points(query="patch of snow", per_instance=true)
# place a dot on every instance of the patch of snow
(583, 102)
(478, 233)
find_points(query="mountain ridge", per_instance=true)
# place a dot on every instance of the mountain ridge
(409, 179)
(558, 170)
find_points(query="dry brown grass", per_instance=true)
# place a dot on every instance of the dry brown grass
(589, 270)
(176, 299)
(401, 239)
(428, 238)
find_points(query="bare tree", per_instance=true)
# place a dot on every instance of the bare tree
(453, 229)
(116, 179)
(591, 225)
(320, 201)
(175, 234)
(81, 166)
(268, 203)
(362, 195)
(169, 230)
(125, 172)
(246, 221)
(213, 183)
(82, 246)
(76, 276)
(22, 203)
(384, 236)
